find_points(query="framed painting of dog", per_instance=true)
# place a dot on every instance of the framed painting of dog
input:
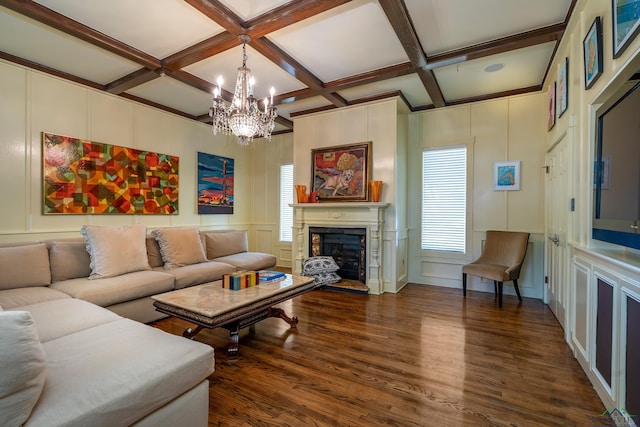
(341, 173)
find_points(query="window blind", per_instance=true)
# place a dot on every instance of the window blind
(444, 199)
(286, 197)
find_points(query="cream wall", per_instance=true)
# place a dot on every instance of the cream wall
(384, 123)
(32, 102)
(583, 104)
(267, 157)
(505, 129)
(590, 260)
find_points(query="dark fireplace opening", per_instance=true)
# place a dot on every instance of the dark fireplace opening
(347, 246)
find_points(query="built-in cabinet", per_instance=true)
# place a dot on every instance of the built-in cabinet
(605, 323)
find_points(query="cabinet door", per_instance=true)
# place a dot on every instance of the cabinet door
(632, 388)
(604, 330)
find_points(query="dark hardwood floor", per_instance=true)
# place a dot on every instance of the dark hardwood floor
(422, 357)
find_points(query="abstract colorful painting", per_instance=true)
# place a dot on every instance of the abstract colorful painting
(85, 177)
(215, 184)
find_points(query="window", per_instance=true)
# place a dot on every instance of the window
(286, 197)
(444, 199)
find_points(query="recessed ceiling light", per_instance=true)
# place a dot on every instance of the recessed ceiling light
(494, 67)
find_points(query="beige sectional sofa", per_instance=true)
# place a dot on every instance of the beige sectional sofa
(73, 348)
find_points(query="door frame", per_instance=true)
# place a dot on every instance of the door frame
(568, 136)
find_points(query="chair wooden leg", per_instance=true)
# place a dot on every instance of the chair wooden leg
(515, 285)
(464, 284)
(495, 287)
(500, 294)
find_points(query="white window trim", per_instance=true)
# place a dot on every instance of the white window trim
(453, 257)
(284, 204)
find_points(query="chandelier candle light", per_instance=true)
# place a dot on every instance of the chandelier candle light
(243, 116)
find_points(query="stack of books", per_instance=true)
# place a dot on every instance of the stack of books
(270, 275)
(240, 280)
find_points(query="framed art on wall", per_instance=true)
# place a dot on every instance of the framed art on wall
(551, 113)
(85, 177)
(215, 184)
(562, 92)
(626, 24)
(506, 175)
(341, 173)
(592, 47)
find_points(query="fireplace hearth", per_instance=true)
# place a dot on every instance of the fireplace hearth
(347, 246)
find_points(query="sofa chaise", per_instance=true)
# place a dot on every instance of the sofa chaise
(73, 347)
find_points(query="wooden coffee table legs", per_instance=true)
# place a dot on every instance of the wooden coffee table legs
(250, 320)
(278, 312)
(190, 333)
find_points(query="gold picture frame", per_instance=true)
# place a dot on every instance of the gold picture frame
(341, 173)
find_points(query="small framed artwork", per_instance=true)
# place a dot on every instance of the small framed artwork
(506, 175)
(562, 87)
(592, 47)
(551, 118)
(626, 24)
(215, 184)
(341, 173)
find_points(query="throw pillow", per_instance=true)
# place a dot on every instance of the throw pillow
(224, 243)
(69, 259)
(23, 366)
(24, 266)
(326, 278)
(319, 264)
(180, 246)
(116, 250)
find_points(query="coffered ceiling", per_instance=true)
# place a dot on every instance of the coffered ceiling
(317, 54)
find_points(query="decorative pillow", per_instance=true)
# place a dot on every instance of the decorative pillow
(180, 246)
(23, 366)
(116, 250)
(69, 259)
(224, 243)
(153, 252)
(24, 266)
(326, 278)
(319, 264)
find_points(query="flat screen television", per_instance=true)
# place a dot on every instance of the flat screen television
(616, 213)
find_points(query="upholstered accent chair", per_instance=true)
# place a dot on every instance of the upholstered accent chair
(500, 261)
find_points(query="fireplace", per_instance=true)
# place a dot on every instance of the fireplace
(346, 216)
(347, 246)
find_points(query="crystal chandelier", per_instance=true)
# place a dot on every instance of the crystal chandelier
(243, 116)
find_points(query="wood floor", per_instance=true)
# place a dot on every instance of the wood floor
(422, 357)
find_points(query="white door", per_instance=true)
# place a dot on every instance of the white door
(557, 208)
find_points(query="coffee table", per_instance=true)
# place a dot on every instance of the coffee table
(210, 305)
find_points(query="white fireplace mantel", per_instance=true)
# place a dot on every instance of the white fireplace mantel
(368, 215)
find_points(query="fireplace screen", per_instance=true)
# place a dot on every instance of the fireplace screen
(347, 246)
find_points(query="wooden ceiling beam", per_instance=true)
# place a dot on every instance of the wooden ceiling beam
(74, 28)
(398, 16)
(273, 20)
(156, 105)
(495, 95)
(220, 14)
(50, 71)
(283, 60)
(505, 44)
(398, 70)
(199, 51)
(288, 14)
(131, 80)
(198, 83)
